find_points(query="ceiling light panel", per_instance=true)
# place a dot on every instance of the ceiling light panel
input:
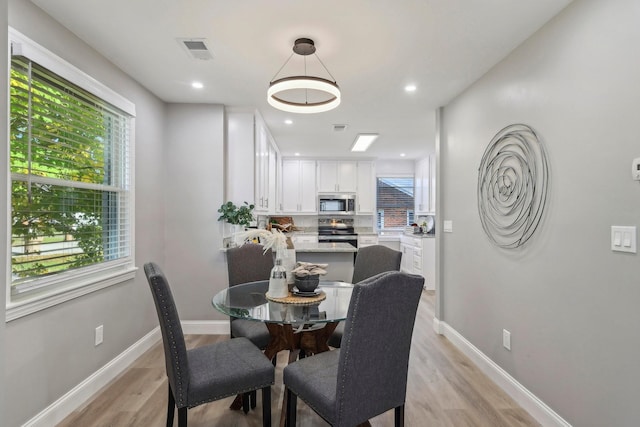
(363, 141)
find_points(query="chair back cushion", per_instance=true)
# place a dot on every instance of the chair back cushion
(248, 263)
(376, 259)
(374, 356)
(175, 351)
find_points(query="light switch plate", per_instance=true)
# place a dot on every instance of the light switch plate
(447, 226)
(623, 238)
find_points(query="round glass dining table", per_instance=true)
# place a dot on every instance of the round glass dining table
(305, 326)
(248, 301)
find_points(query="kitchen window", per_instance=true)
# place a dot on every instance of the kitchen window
(395, 202)
(70, 165)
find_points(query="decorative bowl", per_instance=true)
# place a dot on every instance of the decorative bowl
(307, 283)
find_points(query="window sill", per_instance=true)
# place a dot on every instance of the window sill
(21, 309)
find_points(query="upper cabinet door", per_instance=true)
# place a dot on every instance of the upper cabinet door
(366, 196)
(327, 176)
(299, 192)
(337, 176)
(421, 183)
(347, 177)
(308, 192)
(290, 186)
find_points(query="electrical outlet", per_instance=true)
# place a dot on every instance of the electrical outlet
(506, 339)
(99, 335)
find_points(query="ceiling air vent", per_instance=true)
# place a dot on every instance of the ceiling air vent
(339, 128)
(196, 48)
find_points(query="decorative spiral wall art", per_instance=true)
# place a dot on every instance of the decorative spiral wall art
(512, 186)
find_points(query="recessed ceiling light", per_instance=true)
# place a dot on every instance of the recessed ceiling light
(402, 154)
(197, 85)
(410, 88)
(296, 154)
(288, 122)
(363, 141)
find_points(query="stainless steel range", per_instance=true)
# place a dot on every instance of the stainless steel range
(334, 230)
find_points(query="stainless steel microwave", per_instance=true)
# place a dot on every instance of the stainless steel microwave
(340, 204)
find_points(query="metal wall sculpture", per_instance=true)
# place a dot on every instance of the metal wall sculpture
(512, 186)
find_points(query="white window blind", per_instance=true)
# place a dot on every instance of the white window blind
(70, 179)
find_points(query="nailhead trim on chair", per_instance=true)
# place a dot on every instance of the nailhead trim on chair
(180, 398)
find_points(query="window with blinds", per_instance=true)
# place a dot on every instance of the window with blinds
(395, 203)
(70, 179)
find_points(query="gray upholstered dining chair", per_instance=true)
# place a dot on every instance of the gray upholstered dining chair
(209, 372)
(368, 374)
(249, 263)
(371, 260)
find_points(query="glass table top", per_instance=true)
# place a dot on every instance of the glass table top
(248, 301)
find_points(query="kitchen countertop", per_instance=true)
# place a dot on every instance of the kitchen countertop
(325, 247)
(421, 235)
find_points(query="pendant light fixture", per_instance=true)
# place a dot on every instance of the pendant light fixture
(303, 93)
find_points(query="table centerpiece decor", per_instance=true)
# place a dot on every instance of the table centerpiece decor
(307, 275)
(278, 243)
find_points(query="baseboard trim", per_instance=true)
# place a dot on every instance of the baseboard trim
(206, 327)
(65, 405)
(529, 402)
(437, 327)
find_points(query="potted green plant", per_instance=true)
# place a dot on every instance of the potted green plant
(237, 216)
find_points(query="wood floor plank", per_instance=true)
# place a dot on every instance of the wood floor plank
(444, 389)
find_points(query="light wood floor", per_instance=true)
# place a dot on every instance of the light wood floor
(444, 389)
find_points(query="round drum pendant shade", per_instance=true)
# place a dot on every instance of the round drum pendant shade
(303, 83)
(304, 94)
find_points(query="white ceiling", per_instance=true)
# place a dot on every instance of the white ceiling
(373, 48)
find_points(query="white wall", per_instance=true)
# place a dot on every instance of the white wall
(48, 353)
(194, 191)
(570, 303)
(394, 167)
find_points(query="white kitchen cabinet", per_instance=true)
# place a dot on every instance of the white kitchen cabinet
(265, 169)
(299, 193)
(406, 262)
(422, 186)
(366, 191)
(252, 160)
(337, 176)
(304, 238)
(365, 240)
(419, 257)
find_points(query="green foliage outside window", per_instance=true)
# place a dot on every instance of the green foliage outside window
(61, 218)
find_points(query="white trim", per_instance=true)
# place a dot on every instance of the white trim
(527, 400)
(72, 400)
(23, 45)
(205, 327)
(16, 311)
(437, 326)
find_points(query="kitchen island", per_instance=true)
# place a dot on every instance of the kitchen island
(339, 256)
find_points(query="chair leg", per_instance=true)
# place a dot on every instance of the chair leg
(399, 416)
(245, 402)
(253, 399)
(171, 407)
(266, 407)
(292, 401)
(182, 417)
